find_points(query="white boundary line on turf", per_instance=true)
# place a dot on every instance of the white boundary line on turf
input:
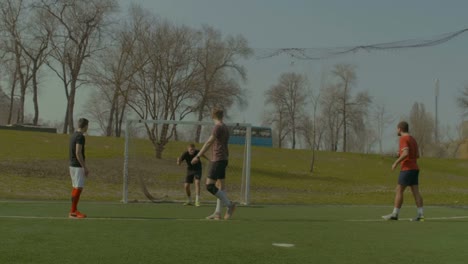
(193, 219)
(111, 218)
(253, 205)
(408, 219)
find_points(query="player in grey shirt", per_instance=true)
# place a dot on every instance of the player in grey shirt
(218, 141)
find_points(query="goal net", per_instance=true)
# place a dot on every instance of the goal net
(151, 173)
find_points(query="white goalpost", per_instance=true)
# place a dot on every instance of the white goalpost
(151, 148)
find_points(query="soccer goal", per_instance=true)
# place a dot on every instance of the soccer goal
(151, 173)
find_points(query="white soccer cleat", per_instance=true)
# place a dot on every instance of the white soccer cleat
(419, 218)
(390, 217)
(214, 216)
(230, 211)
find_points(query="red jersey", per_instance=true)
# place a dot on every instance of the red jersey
(410, 162)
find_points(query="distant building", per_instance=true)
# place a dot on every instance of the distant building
(5, 109)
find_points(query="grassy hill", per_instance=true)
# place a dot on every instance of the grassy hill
(34, 166)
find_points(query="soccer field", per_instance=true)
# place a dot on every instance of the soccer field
(40, 232)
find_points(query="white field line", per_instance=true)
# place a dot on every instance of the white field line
(106, 218)
(408, 219)
(194, 219)
(208, 202)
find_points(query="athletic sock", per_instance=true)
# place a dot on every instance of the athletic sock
(218, 206)
(223, 197)
(197, 198)
(396, 211)
(189, 198)
(420, 211)
(76, 193)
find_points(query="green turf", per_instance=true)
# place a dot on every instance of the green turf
(33, 166)
(171, 233)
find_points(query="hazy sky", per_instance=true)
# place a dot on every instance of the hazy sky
(395, 78)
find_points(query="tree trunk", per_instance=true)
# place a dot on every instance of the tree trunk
(199, 127)
(294, 135)
(118, 125)
(65, 122)
(312, 161)
(12, 98)
(20, 117)
(35, 99)
(71, 106)
(111, 113)
(344, 117)
(67, 96)
(160, 145)
(159, 148)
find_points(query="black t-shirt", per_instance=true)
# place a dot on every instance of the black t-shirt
(76, 138)
(188, 158)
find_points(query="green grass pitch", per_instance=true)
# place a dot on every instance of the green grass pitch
(39, 232)
(335, 217)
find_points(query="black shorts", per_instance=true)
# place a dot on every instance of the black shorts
(218, 170)
(409, 178)
(191, 175)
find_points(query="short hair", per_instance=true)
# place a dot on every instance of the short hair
(83, 122)
(217, 113)
(191, 145)
(403, 125)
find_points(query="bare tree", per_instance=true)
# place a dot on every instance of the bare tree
(289, 97)
(114, 69)
(159, 90)
(346, 79)
(12, 81)
(381, 119)
(77, 37)
(278, 115)
(5, 108)
(11, 23)
(97, 108)
(317, 131)
(36, 49)
(331, 115)
(218, 59)
(421, 126)
(358, 120)
(344, 112)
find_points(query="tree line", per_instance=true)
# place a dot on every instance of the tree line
(337, 117)
(141, 65)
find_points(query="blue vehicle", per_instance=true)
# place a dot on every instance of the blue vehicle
(261, 136)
